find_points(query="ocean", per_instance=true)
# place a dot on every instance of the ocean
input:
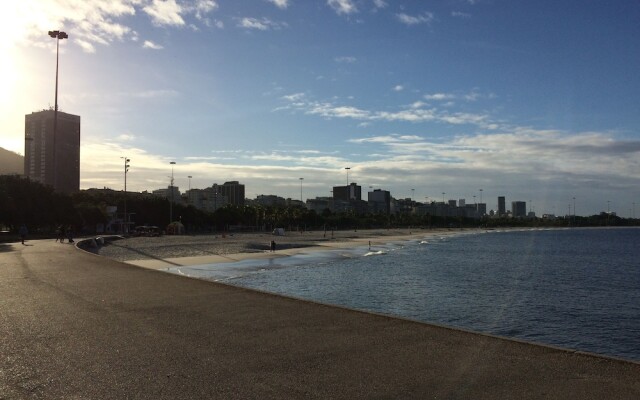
(572, 288)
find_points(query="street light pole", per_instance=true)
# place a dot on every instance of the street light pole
(171, 189)
(126, 215)
(347, 168)
(57, 35)
(301, 179)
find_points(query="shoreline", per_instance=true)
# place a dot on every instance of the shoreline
(167, 251)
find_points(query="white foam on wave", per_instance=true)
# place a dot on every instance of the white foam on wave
(375, 253)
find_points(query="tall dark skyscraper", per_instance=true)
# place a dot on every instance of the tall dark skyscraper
(53, 161)
(502, 210)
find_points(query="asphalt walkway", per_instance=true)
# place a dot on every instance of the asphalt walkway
(77, 326)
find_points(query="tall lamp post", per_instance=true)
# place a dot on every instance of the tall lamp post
(56, 35)
(301, 179)
(126, 216)
(347, 168)
(171, 189)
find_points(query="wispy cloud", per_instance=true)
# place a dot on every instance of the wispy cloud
(262, 24)
(380, 3)
(425, 18)
(343, 6)
(398, 88)
(165, 12)
(280, 3)
(414, 113)
(471, 96)
(150, 45)
(94, 23)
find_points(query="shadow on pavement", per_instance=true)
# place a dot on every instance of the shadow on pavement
(5, 247)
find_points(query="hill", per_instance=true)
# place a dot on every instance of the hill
(10, 162)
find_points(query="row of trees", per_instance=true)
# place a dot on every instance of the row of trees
(26, 202)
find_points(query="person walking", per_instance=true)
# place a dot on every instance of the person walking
(60, 234)
(23, 232)
(70, 234)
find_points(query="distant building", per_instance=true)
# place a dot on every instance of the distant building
(233, 191)
(295, 203)
(502, 209)
(402, 206)
(519, 209)
(347, 193)
(320, 204)
(482, 209)
(270, 200)
(53, 160)
(379, 201)
(207, 199)
(171, 193)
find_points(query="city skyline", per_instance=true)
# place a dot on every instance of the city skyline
(535, 102)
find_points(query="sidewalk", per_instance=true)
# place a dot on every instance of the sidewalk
(75, 325)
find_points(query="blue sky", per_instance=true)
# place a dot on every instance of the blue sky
(535, 101)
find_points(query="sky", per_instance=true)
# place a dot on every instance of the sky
(537, 101)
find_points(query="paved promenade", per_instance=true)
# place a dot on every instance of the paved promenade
(77, 326)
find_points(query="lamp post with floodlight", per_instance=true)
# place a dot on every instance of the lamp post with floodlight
(56, 35)
(301, 179)
(171, 190)
(126, 216)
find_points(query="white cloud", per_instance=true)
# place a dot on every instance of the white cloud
(472, 96)
(414, 113)
(380, 3)
(94, 22)
(406, 19)
(150, 45)
(203, 7)
(125, 137)
(86, 46)
(165, 12)
(280, 3)
(398, 88)
(293, 97)
(263, 24)
(343, 6)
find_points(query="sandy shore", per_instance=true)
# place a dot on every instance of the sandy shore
(168, 251)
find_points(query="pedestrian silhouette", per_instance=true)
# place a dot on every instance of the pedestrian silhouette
(23, 232)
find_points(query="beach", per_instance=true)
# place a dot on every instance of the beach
(182, 250)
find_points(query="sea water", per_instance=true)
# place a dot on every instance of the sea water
(573, 288)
